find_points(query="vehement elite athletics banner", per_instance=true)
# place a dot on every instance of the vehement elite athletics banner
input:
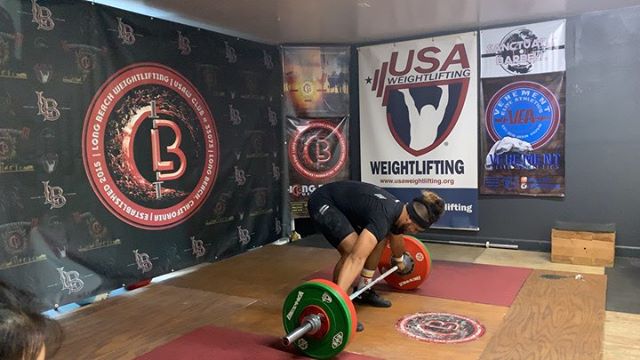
(130, 147)
(316, 88)
(523, 103)
(418, 121)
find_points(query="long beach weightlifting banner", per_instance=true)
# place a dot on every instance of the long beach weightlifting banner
(419, 121)
(130, 147)
(523, 98)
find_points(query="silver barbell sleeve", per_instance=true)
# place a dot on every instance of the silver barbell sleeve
(310, 323)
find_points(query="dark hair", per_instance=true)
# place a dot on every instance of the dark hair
(426, 209)
(434, 203)
(23, 330)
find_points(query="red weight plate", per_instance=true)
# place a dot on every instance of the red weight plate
(421, 269)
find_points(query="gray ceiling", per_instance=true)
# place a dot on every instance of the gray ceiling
(354, 21)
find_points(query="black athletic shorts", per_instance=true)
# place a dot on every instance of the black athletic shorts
(328, 220)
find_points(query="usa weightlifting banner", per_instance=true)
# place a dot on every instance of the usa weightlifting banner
(130, 147)
(418, 128)
(316, 88)
(523, 104)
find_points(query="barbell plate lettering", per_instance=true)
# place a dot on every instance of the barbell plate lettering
(341, 318)
(421, 269)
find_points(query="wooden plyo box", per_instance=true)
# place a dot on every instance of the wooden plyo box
(593, 244)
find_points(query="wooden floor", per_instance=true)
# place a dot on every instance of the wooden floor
(132, 324)
(621, 336)
(553, 317)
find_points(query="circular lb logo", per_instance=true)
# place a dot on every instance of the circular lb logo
(150, 146)
(318, 150)
(440, 327)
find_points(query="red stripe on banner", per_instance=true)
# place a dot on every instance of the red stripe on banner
(383, 75)
(375, 80)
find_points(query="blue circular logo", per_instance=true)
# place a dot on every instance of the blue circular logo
(523, 110)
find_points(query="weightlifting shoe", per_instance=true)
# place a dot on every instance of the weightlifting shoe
(370, 297)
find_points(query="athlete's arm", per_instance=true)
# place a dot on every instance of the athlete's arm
(354, 262)
(396, 242)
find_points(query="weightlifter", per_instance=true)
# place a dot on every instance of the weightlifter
(358, 219)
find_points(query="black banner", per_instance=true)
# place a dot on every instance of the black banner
(130, 147)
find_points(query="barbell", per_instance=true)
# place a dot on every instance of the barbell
(320, 318)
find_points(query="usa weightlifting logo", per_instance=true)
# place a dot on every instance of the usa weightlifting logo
(144, 107)
(423, 96)
(523, 110)
(319, 150)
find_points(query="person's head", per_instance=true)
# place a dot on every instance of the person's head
(420, 213)
(26, 334)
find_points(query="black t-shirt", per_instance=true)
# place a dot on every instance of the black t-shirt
(366, 206)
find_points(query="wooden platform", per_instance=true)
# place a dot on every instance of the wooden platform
(132, 324)
(555, 316)
(551, 317)
(380, 324)
(259, 273)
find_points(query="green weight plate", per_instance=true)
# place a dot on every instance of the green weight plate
(347, 300)
(321, 295)
(341, 340)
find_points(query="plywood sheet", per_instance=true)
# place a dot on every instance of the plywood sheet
(555, 316)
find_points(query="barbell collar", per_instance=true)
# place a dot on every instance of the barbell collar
(310, 324)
